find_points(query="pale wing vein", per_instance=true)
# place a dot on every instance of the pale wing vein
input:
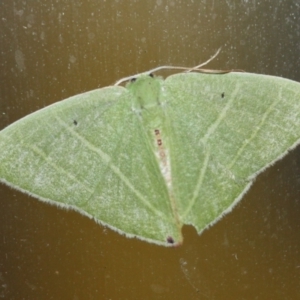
(50, 162)
(199, 183)
(255, 132)
(56, 167)
(210, 131)
(213, 127)
(106, 158)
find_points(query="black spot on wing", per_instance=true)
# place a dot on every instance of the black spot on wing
(170, 240)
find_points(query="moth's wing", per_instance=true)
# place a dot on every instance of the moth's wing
(225, 129)
(90, 153)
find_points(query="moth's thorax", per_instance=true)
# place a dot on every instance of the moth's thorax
(146, 103)
(146, 90)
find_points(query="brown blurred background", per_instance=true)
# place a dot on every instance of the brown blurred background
(50, 50)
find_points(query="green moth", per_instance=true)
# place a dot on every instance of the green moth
(157, 154)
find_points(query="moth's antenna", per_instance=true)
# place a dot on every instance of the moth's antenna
(148, 72)
(205, 63)
(197, 68)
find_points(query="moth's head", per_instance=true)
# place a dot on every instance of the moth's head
(146, 90)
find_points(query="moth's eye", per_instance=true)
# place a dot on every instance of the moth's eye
(151, 75)
(132, 79)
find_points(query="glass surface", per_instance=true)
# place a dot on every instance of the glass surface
(50, 50)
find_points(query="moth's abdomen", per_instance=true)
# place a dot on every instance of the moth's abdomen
(162, 155)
